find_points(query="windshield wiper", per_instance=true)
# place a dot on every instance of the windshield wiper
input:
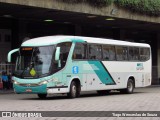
(23, 72)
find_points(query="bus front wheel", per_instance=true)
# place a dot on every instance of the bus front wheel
(73, 90)
(42, 96)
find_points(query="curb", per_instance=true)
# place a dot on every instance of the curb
(153, 86)
(6, 91)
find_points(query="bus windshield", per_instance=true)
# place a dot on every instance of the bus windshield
(34, 61)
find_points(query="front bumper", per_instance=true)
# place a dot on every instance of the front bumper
(41, 89)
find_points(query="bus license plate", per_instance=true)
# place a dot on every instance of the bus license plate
(28, 90)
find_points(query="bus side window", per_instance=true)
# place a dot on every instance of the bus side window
(109, 52)
(79, 51)
(122, 53)
(133, 53)
(65, 48)
(144, 54)
(130, 53)
(136, 53)
(125, 53)
(95, 52)
(105, 52)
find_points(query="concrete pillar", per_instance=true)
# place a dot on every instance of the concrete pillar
(78, 30)
(19, 30)
(122, 34)
(15, 34)
(158, 54)
(22, 30)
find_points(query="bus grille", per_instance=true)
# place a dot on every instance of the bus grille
(28, 85)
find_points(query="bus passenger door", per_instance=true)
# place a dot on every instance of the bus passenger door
(79, 57)
(78, 72)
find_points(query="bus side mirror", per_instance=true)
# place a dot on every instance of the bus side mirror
(10, 53)
(57, 54)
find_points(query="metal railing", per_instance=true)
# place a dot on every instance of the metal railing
(8, 68)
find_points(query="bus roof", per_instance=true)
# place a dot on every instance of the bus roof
(50, 40)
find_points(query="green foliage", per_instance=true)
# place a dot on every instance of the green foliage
(149, 7)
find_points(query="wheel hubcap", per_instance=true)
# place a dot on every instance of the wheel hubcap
(74, 90)
(130, 86)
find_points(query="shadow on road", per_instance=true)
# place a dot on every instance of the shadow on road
(84, 95)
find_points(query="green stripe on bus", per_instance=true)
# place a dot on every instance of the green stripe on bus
(102, 72)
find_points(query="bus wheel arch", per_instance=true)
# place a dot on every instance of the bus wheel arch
(75, 88)
(130, 86)
(133, 79)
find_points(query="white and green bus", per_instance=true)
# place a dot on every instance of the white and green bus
(71, 64)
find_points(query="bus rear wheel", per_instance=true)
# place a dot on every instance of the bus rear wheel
(130, 87)
(42, 96)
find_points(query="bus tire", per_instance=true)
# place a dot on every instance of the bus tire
(130, 87)
(78, 90)
(42, 96)
(73, 90)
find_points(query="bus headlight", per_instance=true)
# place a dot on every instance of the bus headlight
(47, 81)
(15, 82)
(43, 82)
